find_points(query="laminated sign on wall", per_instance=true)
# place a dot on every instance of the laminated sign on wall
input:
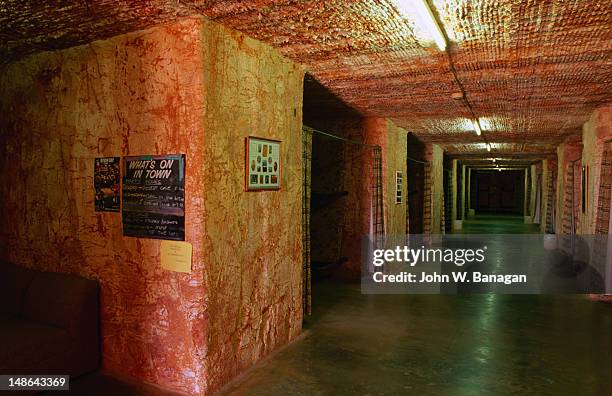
(154, 197)
(263, 165)
(106, 184)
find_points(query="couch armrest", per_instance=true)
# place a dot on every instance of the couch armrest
(65, 301)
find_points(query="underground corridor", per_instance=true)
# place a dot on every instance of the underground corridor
(344, 197)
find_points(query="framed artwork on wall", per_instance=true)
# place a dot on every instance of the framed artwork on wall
(399, 186)
(263, 164)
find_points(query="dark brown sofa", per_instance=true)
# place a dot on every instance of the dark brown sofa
(48, 322)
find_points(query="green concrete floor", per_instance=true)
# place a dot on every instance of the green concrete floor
(497, 224)
(487, 344)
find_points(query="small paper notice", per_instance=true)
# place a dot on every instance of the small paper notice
(176, 256)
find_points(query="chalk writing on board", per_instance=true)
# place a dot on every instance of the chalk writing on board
(154, 197)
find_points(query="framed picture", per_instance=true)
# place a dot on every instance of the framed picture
(263, 164)
(399, 186)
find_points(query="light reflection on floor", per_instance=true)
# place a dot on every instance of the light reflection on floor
(442, 344)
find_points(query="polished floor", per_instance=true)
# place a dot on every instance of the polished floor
(484, 344)
(497, 224)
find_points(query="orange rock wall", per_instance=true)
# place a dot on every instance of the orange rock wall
(253, 240)
(139, 93)
(435, 155)
(567, 151)
(392, 140)
(595, 133)
(191, 87)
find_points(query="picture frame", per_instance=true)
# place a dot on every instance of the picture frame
(399, 187)
(263, 165)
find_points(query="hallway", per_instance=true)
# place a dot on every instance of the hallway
(342, 197)
(489, 344)
(496, 224)
(441, 345)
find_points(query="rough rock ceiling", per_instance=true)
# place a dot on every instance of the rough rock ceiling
(502, 161)
(532, 70)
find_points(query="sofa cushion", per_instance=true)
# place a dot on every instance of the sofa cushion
(27, 345)
(14, 282)
(62, 300)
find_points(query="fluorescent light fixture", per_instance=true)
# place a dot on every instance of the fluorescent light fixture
(488, 146)
(426, 19)
(477, 127)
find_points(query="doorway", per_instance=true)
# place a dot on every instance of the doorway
(498, 191)
(416, 184)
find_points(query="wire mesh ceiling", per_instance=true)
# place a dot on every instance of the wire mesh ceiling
(532, 70)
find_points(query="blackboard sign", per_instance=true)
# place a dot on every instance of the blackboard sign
(153, 198)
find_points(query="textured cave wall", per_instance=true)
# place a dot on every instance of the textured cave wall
(566, 152)
(533, 190)
(393, 142)
(544, 197)
(455, 189)
(394, 159)
(463, 192)
(192, 87)
(253, 240)
(589, 147)
(595, 132)
(133, 94)
(435, 155)
(559, 198)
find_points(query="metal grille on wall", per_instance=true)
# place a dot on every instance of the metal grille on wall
(602, 248)
(576, 188)
(427, 200)
(377, 216)
(528, 192)
(602, 224)
(407, 215)
(570, 211)
(418, 221)
(550, 209)
(306, 190)
(460, 192)
(447, 220)
(378, 219)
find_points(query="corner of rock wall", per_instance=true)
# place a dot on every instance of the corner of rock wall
(252, 240)
(137, 93)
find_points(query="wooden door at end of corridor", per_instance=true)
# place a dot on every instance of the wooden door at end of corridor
(499, 192)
